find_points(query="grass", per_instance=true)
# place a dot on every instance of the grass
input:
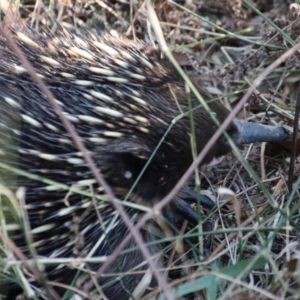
(248, 247)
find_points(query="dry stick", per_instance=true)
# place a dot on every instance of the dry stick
(11, 14)
(262, 160)
(133, 232)
(294, 144)
(201, 156)
(171, 257)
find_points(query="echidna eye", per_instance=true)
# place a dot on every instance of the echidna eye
(127, 174)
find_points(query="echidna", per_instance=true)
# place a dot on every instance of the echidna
(121, 96)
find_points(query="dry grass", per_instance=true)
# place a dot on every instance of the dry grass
(248, 248)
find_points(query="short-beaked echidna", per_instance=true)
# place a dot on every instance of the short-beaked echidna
(121, 96)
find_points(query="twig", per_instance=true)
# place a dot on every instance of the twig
(294, 143)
